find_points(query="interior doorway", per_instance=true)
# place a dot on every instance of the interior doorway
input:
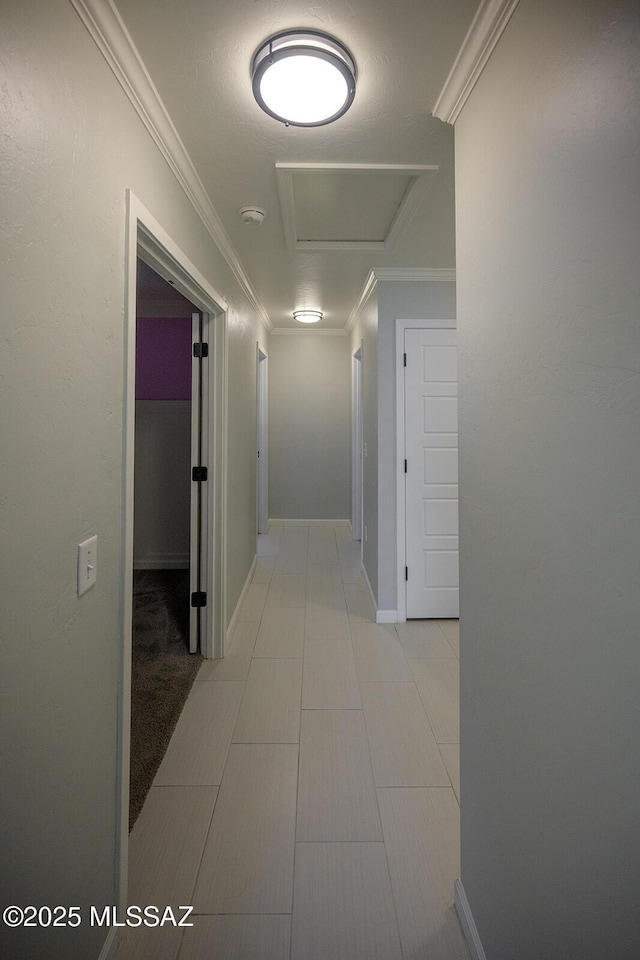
(427, 472)
(170, 419)
(148, 242)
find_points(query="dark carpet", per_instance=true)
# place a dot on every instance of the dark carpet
(162, 672)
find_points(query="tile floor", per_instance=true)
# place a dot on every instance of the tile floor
(307, 806)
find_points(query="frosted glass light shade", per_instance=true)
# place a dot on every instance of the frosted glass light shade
(304, 79)
(307, 316)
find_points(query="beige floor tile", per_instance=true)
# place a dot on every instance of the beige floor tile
(281, 633)
(287, 590)
(270, 708)
(404, 752)
(166, 844)
(450, 628)
(268, 544)
(324, 580)
(238, 938)
(421, 832)
(343, 907)
(349, 555)
(292, 559)
(141, 943)
(264, 569)
(336, 792)
(378, 653)
(423, 639)
(342, 532)
(329, 681)
(323, 549)
(359, 603)
(236, 661)
(439, 687)
(247, 864)
(327, 619)
(254, 601)
(194, 755)
(450, 753)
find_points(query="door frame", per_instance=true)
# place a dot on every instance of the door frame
(262, 467)
(147, 239)
(401, 528)
(357, 499)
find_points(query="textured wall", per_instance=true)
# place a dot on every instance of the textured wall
(548, 227)
(309, 427)
(72, 144)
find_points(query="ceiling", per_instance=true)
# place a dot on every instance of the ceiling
(374, 189)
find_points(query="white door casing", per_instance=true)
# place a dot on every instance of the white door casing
(262, 505)
(198, 541)
(430, 473)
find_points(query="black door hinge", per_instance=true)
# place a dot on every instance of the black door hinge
(405, 360)
(198, 474)
(199, 599)
(406, 573)
(201, 350)
(405, 466)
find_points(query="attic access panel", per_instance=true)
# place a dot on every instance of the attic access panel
(349, 206)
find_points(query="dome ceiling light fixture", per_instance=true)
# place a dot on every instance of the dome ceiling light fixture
(307, 316)
(304, 78)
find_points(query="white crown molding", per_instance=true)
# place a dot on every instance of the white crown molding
(302, 332)
(112, 38)
(367, 290)
(484, 33)
(423, 274)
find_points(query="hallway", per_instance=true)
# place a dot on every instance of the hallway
(307, 805)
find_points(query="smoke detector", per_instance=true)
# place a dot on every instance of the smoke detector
(252, 215)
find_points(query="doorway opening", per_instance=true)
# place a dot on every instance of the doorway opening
(149, 246)
(427, 469)
(168, 522)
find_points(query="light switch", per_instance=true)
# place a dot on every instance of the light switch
(87, 564)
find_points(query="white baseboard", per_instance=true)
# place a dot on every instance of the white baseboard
(236, 612)
(386, 616)
(467, 922)
(110, 946)
(306, 523)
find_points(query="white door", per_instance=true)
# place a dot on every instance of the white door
(431, 473)
(199, 475)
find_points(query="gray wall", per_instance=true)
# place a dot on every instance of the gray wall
(72, 144)
(309, 427)
(397, 300)
(548, 220)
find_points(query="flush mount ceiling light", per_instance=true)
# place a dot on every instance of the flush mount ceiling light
(303, 78)
(307, 316)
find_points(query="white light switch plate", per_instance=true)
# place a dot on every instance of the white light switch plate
(87, 564)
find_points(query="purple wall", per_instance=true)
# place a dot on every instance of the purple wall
(163, 359)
